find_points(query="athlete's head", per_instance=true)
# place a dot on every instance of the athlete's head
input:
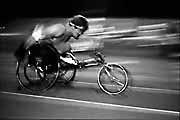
(79, 24)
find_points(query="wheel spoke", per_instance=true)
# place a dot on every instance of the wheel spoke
(113, 78)
(116, 76)
(36, 79)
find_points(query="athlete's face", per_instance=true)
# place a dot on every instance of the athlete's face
(76, 31)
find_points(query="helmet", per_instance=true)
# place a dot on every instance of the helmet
(79, 22)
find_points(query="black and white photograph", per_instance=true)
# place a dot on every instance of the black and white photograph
(90, 59)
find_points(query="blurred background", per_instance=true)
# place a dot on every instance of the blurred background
(143, 36)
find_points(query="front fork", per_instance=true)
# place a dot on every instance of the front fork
(110, 75)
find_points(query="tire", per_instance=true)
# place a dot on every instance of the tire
(34, 80)
(113, 83)
(68, 73)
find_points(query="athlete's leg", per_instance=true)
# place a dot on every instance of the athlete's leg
(62, 48)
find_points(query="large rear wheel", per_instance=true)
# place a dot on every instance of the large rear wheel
(33, 79)
(37, 73)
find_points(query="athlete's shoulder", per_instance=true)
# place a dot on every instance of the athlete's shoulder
(56, 29)
(60, 26)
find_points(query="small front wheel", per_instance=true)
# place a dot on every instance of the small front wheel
(112, 79)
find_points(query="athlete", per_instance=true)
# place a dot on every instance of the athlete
(57, 34)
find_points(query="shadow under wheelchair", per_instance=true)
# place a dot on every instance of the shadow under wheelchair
(80, 88)
(77, 91)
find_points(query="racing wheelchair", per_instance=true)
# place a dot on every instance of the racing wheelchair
(42, 67)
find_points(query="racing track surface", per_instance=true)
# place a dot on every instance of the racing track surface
(153, 91)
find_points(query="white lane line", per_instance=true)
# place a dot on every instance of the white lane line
(136, 88)
(155, 90)
(102, 105)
